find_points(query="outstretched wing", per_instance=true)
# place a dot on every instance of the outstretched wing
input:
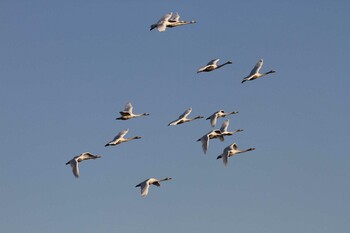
(128, 108)
(165, 18)
(144, 189)
(161, 25)
(186, 113)
(121, 134)
(213, 119)
(174, 17)
(257, 67)
(75, 168)
(233, 146)
(205, 143)
(224, 126)
(225, 157)
(213, 62)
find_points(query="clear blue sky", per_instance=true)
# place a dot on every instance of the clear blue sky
(69, 67)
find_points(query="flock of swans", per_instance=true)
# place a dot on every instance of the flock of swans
(171, 20)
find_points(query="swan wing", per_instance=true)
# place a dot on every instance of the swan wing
(144, 188)
(221, 138)
(225, 158)
(174, 122)
(75, 168)
(233, 146)
(186, 113)
(175, 17)
(224, 126)
(205, 143)
(121, 134)
(128, 108)
(213, 62)
(161, 25)
(86, 156)
(203, 68)
(257, 67)
(165, 18)
(213, 119)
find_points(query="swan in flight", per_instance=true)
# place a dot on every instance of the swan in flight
(128, 114)
(169, 20)
(74, 162)
(120, 138)
(231, 150)
(212, 65)
(145, 185)
(225, 132)
(205, 139)
(218, 114)
(183, 118)
(254, 74)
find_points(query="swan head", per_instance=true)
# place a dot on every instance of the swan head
(229, 62)
(271, 71)
(168, 178)
(137, 137)
(219, 157)
(146, 114)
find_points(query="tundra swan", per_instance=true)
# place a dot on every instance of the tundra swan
(183, 118)
(218, 114)
(212, 65)
(74, 162)
(254, 74)
(145, 184)
(231, 150)
(120, 138)
(128, 114)
(169, 20)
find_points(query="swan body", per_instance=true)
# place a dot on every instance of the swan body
(146, 184)
(254, 74)
(120, 138)
(127, 113)
(231, 150)
(183, 118)
(212, 65)
(74, 162)
(224, 129)
(169, 20)
(205, 139)
(221, 113)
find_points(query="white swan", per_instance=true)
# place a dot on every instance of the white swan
(218, 114)
(212, 65)
(145, 185)
(128, 114)
(169, 20)
(224, 129)
(205, 139)
(120, 138)
(254, 74)
(231, 150)
(74, 162)
(183, 118)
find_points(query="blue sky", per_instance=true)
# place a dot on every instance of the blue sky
(69, 67)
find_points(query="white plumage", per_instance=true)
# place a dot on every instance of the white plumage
(74, 162)
(146, 184)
